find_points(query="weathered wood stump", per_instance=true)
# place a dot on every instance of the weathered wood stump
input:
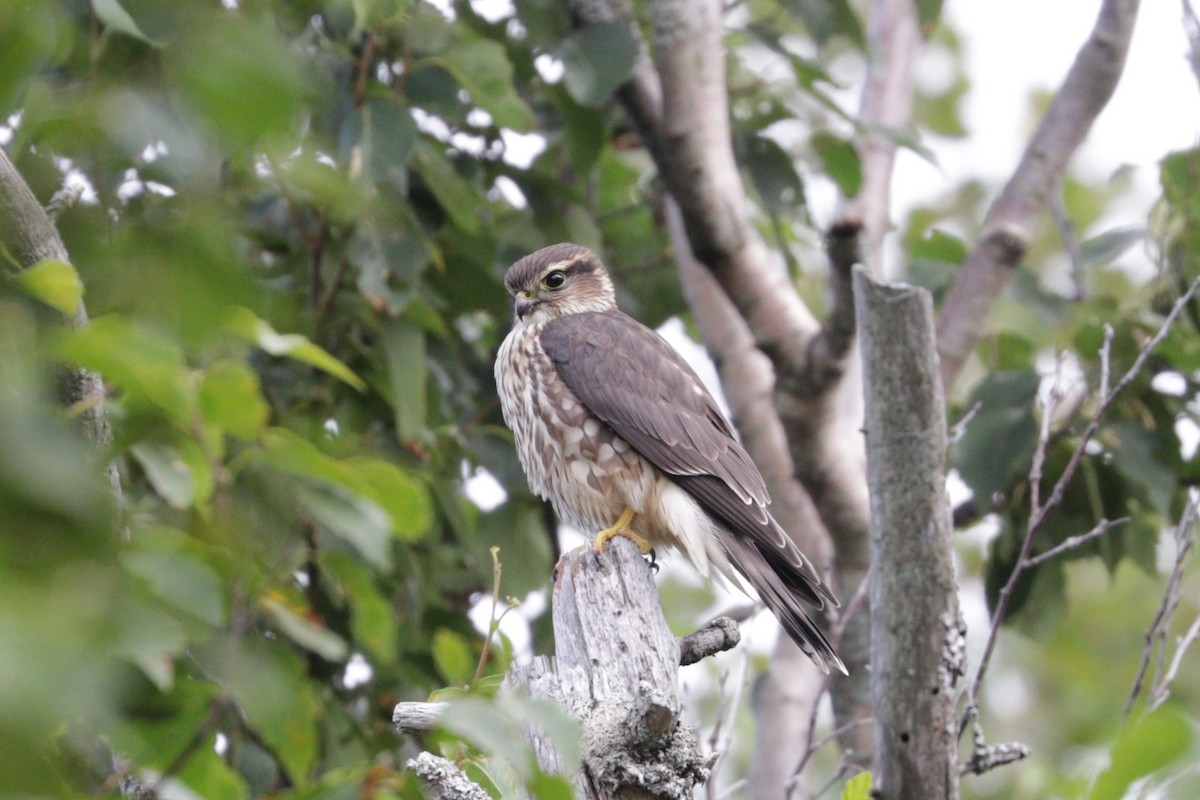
(616, 670)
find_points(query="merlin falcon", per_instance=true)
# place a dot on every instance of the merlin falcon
(619, 433)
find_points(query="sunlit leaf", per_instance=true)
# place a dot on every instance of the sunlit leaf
(305, 632)
(115, 17)
(292, 345)
(1151, 744)
(167, 472)
(359, 522)
(454, 657)
(231, 399)
(55, 283)
(147, 367)
(858, 787)
(839, 160)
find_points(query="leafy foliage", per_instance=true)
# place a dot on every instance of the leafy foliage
(296, 217)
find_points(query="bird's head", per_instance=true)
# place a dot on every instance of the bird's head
(558, 280)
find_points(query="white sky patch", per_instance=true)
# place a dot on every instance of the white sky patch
(332, 430)
(1170, 383)
(428, 123)
(482, 489)
(1189, 437)
(507, 188)
(358, 672)
(493, 10)
(549, 67)
(514, 625)
(520, 149)
(154, 151)
(479, 118)
(445, 8)
(220, 744)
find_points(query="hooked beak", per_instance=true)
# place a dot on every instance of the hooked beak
(524, 303)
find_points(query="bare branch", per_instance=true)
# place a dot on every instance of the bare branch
(1073, 542)
(829, 349)
(418, 717)
(443, 780)
(1185, 538)
(885, 105)
(1009, 225)
(716, 636)
(1039, 514)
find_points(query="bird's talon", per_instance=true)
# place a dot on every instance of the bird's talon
(621, 528)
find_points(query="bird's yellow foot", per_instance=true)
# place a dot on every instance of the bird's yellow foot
(621, 528)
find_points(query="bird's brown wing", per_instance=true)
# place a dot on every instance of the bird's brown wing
(633, 380)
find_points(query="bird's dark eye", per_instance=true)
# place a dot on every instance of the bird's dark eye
(555, 279)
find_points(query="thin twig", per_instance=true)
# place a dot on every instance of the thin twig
(1103, 527)
(1040, 514)
(1184, 540)
(1162, 690)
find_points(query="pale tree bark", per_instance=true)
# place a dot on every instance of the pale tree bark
(1009, 225)
(893, 36)
(615, 670)
(916, 639)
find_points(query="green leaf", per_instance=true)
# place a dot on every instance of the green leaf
(1000, 439)
(239, 74)
(115, 17)
(482, 68)
(55, 283)
(453, 192)
(207, 774)
(597, 60)
(231, 399)
(840, 161)
(147, 367)
(389, 135)
(402, 496)
(1107, 247)
(176, 576)
(306, 633)
(1152, 744)
(454, 657)
(270, 685)
(773, 174)
(404, 346)
(359, 522)
(372, 620)
(828, 18)
(858, 787)
(293, 345)
(167, 472)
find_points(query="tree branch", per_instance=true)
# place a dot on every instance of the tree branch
(28, 236)
(1009, 225)
(914, 598)
(885, 105)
